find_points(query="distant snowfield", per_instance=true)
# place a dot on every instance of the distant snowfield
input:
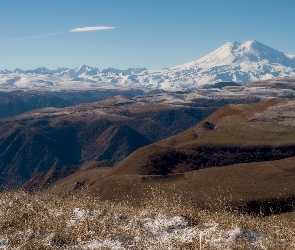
(241, 63)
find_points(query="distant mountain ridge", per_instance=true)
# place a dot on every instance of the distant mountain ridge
(236, 62)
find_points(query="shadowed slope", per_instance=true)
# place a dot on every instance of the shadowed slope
(29, 150)
(46, 178)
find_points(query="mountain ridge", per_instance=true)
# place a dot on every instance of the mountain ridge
(233, 61)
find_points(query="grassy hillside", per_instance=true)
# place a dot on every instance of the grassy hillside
(243, 133)
(236, 186)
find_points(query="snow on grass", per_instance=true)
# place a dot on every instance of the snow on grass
(283, 113)
(4, 243)
(160, 230)
(42, 221)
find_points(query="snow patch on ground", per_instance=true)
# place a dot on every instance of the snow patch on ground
(157, 230)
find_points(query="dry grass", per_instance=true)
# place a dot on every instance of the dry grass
(44, 221)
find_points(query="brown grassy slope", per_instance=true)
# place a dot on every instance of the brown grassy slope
(244, 133)
(229, 185)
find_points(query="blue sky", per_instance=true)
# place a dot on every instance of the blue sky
(148, 33)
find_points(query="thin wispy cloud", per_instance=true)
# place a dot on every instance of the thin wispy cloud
(94, 28)
(32, 37)
(83, 29)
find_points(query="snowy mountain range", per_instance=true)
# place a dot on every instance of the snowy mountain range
(233, 61)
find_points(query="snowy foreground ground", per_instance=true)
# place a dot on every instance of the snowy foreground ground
(42, 221)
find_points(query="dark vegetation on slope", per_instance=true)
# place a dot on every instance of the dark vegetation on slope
(169, 161)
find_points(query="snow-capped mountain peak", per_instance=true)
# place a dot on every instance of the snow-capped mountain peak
(234, 53)
(238, 62)
(233, 61)
(222, 55)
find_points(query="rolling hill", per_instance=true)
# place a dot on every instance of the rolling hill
(243, 133)
(245, 162)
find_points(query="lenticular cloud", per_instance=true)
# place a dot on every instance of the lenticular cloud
(84, 29)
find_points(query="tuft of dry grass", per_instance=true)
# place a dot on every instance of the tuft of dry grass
(46, 221)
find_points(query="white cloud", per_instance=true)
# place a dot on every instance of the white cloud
(84, 29)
